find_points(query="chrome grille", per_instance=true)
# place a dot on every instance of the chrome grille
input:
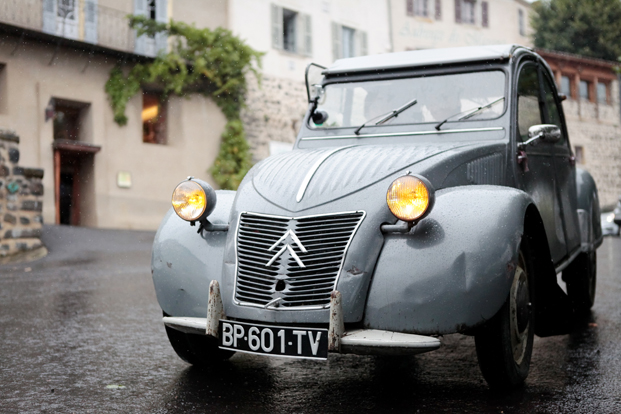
(285, 283)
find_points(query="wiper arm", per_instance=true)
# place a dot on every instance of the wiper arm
(388, 116)
(470, 114)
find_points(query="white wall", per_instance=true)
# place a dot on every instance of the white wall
(251, 20)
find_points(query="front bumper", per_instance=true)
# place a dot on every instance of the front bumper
(360, 341)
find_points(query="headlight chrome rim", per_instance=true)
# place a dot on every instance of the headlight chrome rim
(410, 197)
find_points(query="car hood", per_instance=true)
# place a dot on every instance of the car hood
(306, 178)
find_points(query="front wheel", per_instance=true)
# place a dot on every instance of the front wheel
(505, 344)
(199, 350)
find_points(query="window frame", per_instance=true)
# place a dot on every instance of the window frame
(420, 74)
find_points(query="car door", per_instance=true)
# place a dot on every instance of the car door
(535, 173)
(564, 167)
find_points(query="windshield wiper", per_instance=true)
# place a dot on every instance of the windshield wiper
(388, 116)
(470, 114)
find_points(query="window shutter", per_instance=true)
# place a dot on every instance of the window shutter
(337, 49)
(409, 7)
(485, 14)
(277, 34)
(49, 16)
(457, 11)
(438, 9)
(362, 43)
(140, 9)
(308, 35)
(90, 21)
(161, 16)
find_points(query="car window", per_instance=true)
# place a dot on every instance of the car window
(351, 104)
(529, 109)
(554, 116)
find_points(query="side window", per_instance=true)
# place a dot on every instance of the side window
(554, 116)
(529, 109)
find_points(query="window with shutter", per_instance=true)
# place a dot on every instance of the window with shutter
(438, 13)
(90, 21)
(521, 22)
(161, 16)
(308, 36)
(336, 41)
(49, 16)
(484, 14)
(290, 30)
(276, 27)
(349, 40)
(457, 11)
(409, 7)
(140, 9)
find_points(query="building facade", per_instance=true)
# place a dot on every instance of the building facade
(593, 117)
(56, 56)
(428, 24)
(55, 59)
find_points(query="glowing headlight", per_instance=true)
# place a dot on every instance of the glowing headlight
(193, 199)
(409, 198)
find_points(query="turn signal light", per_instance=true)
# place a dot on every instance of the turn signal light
(409, 197)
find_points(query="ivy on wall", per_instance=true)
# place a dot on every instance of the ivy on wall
(211, 62)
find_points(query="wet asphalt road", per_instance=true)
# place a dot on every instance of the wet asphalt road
(81, 332)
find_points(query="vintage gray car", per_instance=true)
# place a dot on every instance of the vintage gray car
(428, 193)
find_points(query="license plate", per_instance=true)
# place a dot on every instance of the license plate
(283, 341)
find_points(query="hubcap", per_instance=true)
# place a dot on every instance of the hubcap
(520, 312)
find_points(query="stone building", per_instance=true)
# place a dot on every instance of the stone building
(55, 59)
(21, 194)
(593, 117)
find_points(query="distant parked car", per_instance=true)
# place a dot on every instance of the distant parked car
(428, 192)
(617, 213)
(609, 224)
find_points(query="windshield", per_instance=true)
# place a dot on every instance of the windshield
(439, 97)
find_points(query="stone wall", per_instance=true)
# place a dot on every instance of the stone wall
(274, 112)
(21, 192)
(596, 128)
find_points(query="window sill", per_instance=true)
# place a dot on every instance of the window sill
(288, 54)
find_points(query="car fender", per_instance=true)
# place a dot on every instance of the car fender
(453, 270)
(183, 262)
(588, 211)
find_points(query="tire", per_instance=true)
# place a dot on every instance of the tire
(581, 279)
(505, 344)
(198, 350)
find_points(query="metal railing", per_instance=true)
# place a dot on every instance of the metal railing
(90, 23)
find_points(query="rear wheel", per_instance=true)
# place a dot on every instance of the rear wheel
(200, 350)
(581, 279)
(505, 344)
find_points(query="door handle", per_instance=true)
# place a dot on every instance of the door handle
(522, 159)
(572, 160)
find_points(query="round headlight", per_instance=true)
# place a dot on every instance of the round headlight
(193, 199)
(410, 197)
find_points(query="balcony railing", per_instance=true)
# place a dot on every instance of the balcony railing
(81, 20)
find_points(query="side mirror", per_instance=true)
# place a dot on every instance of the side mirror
(547, 132)
(543, 132)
